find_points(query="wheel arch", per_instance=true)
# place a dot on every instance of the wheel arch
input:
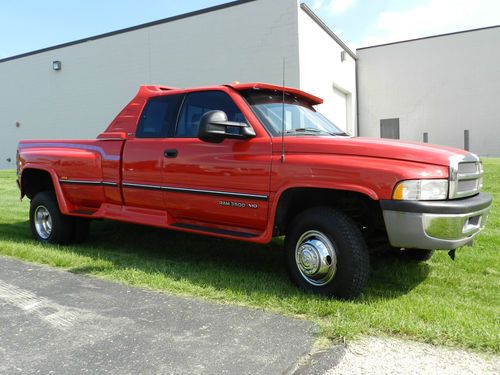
(294, 200)
(35, 179)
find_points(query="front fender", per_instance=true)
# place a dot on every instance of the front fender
(374, 177)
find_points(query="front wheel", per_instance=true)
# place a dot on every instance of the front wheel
(326, 253)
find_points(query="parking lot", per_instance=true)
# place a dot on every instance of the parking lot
(58, 322)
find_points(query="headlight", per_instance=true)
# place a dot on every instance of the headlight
(421, 190)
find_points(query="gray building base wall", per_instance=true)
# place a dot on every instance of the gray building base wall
(442, 86)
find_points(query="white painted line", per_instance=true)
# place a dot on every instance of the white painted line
(49, 311)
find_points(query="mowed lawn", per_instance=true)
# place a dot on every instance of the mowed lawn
(441, 301)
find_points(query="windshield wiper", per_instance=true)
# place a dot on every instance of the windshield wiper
(305, 130)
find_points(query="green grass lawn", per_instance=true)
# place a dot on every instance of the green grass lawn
(443, 302)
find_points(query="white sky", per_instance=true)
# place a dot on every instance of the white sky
(361, 23)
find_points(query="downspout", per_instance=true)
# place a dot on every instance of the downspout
(357, 95)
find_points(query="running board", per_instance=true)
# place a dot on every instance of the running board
(81, 212)
(157, 218)
(215, 230)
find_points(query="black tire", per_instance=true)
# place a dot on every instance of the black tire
(350, 256)
(82, 229)
(61, 229)
(415, 255)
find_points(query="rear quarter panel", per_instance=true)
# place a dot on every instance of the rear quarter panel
(79, 169)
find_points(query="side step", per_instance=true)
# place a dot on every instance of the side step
(159, 218)
(81, 212)
(215, 230)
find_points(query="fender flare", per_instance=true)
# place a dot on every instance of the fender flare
(342, 187)
(64, 207)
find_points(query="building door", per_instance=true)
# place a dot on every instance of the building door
(389, 128)
(339, 109)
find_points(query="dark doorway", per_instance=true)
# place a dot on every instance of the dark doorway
(389, 128)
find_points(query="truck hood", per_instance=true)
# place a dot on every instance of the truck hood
(370, 147)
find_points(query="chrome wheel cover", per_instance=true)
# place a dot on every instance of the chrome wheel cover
(316, 258)
(43, 222)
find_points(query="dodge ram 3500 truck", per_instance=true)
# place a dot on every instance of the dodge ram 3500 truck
(250, 162)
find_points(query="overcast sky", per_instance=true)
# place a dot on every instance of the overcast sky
(27, 25)
(362, 23)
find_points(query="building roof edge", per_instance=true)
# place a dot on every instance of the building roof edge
(129, 29)
(321, 24)
(429, 37)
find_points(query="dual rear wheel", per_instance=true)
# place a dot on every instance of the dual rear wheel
(49, 225)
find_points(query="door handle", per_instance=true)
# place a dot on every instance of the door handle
(170, 153)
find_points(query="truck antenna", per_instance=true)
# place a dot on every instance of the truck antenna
(283, 117)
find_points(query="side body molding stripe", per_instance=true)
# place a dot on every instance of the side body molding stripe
(196, 191)
(168, 188)
(86, 182)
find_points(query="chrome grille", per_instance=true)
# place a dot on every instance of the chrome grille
(466, 176)
(468, 167)
(468, 185)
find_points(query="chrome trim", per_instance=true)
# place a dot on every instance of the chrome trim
(453, 227)
(455, 177)
(43, 222)
(196, 191)
(416, 230)
(141, 186)
(88, 182)
(167, 188)
(80, 182)
(469, 176)
(316, 258)
(216, 192)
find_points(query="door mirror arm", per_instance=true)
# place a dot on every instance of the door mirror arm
(214, 128)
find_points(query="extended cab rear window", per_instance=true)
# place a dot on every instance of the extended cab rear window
(158, 117)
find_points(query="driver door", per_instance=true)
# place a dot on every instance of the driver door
(215, 186)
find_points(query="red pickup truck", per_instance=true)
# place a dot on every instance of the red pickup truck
(253, 161)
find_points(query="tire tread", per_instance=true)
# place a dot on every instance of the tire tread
(63, 227)
(353, 275)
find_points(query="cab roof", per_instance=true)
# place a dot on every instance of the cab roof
(126, 120)
(147, 90)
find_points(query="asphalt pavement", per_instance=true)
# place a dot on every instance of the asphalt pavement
(57, 322)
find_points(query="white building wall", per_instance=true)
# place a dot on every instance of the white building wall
(324, 74)
(246, 43)
(441, 85)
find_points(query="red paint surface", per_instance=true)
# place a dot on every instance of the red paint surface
(368, 166)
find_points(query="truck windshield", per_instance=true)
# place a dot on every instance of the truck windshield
(300, 117)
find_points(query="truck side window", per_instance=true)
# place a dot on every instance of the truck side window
(158, 117)
(197, 104)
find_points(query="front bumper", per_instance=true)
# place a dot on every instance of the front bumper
(430, 225)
